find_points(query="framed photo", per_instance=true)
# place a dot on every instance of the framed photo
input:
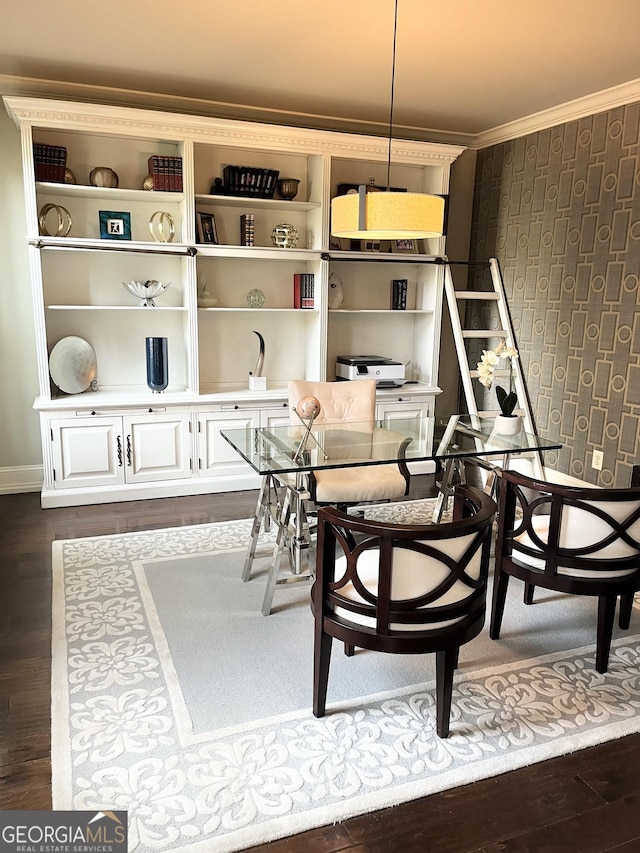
(405, 247)
(115, 225)
(336, 244)
(206, 228)
(370, 246)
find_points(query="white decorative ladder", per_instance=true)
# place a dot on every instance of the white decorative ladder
(457, 301)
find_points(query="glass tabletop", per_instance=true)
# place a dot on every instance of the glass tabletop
(295, 448)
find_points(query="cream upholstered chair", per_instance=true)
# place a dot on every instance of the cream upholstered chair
(354, 403)
(582, 541)
(402, 589)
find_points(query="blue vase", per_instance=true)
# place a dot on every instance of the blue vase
(157, 364)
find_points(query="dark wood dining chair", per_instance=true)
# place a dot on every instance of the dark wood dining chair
(402, 589)
(581, 541)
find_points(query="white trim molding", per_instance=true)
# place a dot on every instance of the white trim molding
(599, 102)
(19, 479)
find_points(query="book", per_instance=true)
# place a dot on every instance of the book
(297, 290)
(156, 170)
(247, 229)
(250, 180)
(50, 162)
(399, 288)
(303, 290)
(306, 290)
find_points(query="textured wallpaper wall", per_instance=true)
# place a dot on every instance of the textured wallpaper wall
(560, 209)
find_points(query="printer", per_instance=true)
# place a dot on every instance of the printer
(386, 372)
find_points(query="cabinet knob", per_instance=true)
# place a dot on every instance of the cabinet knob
(150, 410)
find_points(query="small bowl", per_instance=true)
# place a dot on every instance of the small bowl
(146, 291)
(288, 187)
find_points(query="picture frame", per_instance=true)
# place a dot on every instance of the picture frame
(206, 231)
(336, 244)
(370, 246)
(115, 225)
(404, 247)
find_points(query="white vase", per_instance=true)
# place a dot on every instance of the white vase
(508, 424)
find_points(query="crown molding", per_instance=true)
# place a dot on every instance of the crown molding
(112, 96)
(597, 102)
(607, 99)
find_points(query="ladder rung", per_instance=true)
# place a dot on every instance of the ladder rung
(477, 294)
(475, 373)
(495, 412)
(484, 333)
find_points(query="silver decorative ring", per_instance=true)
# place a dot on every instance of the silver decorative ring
(64, 220)
(161, 226)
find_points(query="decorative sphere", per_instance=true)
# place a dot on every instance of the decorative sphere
(284, 236)
(308, 407)
(255, 298)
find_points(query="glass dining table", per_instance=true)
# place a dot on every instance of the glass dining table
(284, 456)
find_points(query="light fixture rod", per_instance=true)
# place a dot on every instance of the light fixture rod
(393, 85)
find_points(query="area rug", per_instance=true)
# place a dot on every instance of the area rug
(174, 699)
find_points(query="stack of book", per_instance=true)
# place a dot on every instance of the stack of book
(303, 290)
(399, 293)
(50, 162)
(247, 229)
(246, 180)
(166, 173)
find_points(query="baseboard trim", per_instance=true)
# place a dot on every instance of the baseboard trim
(16, 480)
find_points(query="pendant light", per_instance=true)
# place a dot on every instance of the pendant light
(387, 215)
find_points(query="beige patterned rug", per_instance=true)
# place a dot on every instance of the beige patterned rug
(174, 699)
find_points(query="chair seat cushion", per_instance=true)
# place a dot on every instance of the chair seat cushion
(355, 485)
(414, 575)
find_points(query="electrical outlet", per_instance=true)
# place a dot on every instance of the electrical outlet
(597, 460)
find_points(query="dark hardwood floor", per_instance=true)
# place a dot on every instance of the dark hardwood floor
(587, 802)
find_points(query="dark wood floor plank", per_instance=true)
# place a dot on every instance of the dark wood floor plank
(596, 788)
(616, 775)
(326, 839)
(592, 832)
(26, 786)
(533, 796)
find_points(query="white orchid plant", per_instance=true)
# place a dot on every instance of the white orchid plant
(491, 358)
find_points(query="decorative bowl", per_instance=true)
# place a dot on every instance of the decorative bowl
(72, 365)
(288, 187)
(103, 176)
(146, 291)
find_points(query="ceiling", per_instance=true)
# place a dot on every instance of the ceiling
(463, 67)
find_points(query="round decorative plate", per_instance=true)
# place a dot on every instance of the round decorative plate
(72, 365)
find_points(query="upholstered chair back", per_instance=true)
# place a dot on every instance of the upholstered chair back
(341, 401)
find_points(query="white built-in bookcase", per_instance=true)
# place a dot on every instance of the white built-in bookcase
(123, 442)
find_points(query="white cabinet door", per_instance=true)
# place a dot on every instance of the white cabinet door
(157, 447)
(402, 409)
(216, 456)
(87, 452)
(270, 418)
